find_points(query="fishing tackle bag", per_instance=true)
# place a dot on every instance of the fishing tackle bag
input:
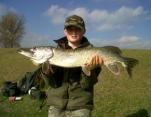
(10, 89)
(31, 79)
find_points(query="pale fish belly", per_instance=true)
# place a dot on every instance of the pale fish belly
(70, 60)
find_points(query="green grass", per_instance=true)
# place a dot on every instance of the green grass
(114, 96)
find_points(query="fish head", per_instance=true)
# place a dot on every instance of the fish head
(38, 54)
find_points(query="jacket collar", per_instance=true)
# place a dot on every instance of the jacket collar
(63, 43)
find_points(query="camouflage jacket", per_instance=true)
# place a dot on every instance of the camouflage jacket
(70, 88)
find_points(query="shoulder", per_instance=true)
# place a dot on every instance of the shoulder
(85, 43)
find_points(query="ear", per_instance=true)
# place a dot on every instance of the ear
(65, 32)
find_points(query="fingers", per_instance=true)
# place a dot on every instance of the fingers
(95, 60)
(100, 60)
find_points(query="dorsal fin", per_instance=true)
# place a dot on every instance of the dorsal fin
(112, 49)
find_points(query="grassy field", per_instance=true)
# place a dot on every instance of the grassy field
(114, 96)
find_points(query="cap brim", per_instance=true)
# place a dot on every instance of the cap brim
(74, 25)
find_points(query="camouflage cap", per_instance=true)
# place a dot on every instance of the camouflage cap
(74, 20)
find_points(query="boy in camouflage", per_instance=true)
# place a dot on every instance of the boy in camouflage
(70, 92)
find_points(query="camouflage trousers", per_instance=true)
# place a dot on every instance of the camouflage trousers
(55, 112)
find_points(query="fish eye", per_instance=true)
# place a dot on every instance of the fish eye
(34, 48)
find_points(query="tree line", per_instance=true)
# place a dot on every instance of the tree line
(11, 30)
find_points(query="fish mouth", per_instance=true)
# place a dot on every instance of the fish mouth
(26, 51)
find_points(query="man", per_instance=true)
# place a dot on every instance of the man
(70, 92)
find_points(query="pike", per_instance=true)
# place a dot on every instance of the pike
(111, 56)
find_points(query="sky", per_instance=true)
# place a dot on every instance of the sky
(122, 23)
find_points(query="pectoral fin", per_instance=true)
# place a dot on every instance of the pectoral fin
(35, 63)
(86, 71)
(114, 68)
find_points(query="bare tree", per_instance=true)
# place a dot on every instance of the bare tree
(11, 30)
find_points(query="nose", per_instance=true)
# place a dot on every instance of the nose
(74, 32)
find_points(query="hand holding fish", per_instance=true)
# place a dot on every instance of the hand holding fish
(94, 61)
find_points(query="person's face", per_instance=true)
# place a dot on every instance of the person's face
(74, 34)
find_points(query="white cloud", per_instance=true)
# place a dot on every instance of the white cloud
(33, 39)
(128, 39)
(124, 17)
(98, 15)
(56, 13)
(108, 27)
(4, 9)
(131, 41)
(79, 11)
(103, 19)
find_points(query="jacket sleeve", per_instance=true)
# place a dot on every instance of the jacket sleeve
(52, 76)
(46, 68)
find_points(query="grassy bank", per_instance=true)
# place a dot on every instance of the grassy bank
(113, 96)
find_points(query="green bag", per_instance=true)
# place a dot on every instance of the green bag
(31, 79)
(10, 89)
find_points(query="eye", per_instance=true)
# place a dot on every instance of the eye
(34, 48)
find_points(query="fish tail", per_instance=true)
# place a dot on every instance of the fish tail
(131, 63)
